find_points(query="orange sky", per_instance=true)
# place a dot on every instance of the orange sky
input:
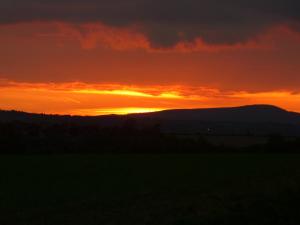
(51, 67)
(87, 99)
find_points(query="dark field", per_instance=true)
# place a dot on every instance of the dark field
(150, 189)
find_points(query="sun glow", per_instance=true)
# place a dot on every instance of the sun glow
(118, 111)
(129, 92)
(102, 99)
(113, 92)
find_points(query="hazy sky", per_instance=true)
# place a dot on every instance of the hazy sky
(106, 56)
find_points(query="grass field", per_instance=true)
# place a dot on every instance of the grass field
(150, 189)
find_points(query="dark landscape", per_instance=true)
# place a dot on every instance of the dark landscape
(247, 129)
(149, 169)
(150, 189)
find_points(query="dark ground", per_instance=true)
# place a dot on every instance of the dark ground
(215, 189)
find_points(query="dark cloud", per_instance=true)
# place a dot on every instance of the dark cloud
(165, 22)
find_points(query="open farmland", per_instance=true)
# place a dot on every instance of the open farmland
(150, 189)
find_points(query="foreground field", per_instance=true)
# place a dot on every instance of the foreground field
(150, 189)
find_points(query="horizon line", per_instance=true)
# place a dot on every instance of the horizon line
(147, 110)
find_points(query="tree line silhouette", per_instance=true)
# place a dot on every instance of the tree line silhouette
(128, 137)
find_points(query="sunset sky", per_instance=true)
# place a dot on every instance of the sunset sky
(93, 57)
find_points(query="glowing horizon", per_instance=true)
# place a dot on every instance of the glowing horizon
(103, 99)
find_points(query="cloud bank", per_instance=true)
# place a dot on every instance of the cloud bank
(164, 23)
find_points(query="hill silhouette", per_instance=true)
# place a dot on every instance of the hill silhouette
(169, 131)
(250, 113)
(254, 119)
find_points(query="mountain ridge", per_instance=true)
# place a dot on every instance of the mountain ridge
(241, 120)
(197, 113)
(248, 113)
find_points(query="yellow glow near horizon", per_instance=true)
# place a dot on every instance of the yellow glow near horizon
(112, 92)
(101, 99)
(128, 93)
(118, 111)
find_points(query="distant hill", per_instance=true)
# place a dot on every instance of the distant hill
(243, 120)
(252, 119)
(249, 114)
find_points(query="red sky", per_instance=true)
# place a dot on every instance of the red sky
(93, 68)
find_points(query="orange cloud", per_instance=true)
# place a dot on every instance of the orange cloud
(44, 52)
(93, 35)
